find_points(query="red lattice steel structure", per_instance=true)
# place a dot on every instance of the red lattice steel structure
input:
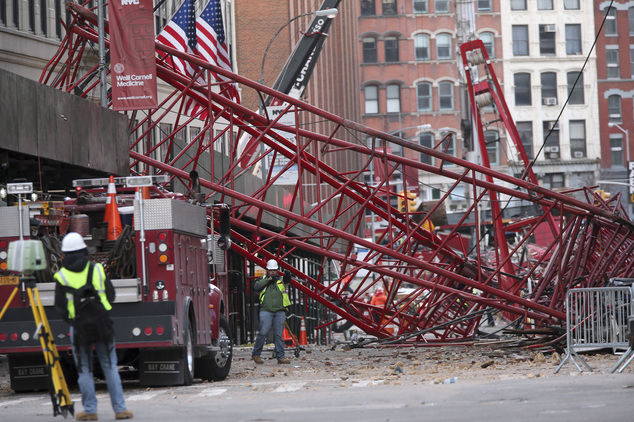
(449, 288)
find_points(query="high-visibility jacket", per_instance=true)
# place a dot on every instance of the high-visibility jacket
(77, 280)
(273, 298)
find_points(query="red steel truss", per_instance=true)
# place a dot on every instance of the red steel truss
(449, 287)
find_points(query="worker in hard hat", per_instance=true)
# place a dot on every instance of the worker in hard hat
(378, 300)
(76, 272)
(274, 303)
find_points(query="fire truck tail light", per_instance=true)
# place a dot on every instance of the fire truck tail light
(163, 258)
(3, 266)
(136, 331)
(160, 330)
(162, 236)
(3, 336)
(14, 336)
(147, 331)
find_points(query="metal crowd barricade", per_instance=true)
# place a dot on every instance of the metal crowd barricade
(596, 318)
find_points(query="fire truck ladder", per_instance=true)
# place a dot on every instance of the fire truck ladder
(437, 286)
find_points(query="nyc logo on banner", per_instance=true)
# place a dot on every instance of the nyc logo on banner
(132, 55)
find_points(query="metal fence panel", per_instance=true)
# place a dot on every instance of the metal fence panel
(596, 318)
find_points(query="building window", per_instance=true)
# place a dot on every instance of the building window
(520, 40)
(421, 47)
(31, 10)
(3, 12)
(551, 138)
(484, 5)
(391, 49)
(441, 6)
(488, 39)
(369, 50)
(448, 145)
(525, 131)
(610, 22)
(522, 89)
(492, 140)
(571, 4)
(371, 94)
(426, 140)
(389, 7)
(549, 88)
(58, 19)
(547, 39)
(423, 96)
(575, 88)
(518, 4)
(445, 96)
(544, 4)
(616, 150)
(614, 109)
(612, 61)
(420, 6)
(573, 39)
(393, 98)
(554, 181)
(367, 8)
(577, 138)
(43, 17)
(443, 47)
(435, 193)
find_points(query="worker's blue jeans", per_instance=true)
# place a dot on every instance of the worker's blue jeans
(107, 356)
(268, 320)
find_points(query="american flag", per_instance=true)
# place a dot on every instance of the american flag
(180, 34)
(212, 47)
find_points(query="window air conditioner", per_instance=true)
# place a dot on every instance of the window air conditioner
(554, 149)
(550, 28)
(553, 126)
(550, 101)
(578, 154)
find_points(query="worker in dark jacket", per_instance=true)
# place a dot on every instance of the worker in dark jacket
(274, 303)
(71, 278)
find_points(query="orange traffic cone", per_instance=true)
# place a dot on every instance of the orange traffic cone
(110, 200)
(112, 213)
(288, 340)
(303, 340)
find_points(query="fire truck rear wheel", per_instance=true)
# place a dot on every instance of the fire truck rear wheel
(215, 366)
(188, 361)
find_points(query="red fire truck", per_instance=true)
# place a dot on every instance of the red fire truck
(168, 268)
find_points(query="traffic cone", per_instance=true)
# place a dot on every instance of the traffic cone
(288, 340)
(303, 340)
(112, 213)
(110, 200)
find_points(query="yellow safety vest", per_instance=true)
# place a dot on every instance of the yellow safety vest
(77, 280)
(286, 302)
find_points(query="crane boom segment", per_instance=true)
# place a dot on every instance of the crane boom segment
(438, 283)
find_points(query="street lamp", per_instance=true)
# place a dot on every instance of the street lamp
(328, 13)
(627, 140)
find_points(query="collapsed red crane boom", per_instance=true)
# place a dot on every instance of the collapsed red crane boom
(437, 292)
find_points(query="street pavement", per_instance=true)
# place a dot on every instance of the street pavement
(298, 392)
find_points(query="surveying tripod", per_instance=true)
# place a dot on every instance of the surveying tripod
(62, 403)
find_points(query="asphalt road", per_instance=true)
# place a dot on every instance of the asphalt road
(315, 388)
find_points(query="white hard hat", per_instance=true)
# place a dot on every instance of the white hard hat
(73, 242)
(271, 264)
